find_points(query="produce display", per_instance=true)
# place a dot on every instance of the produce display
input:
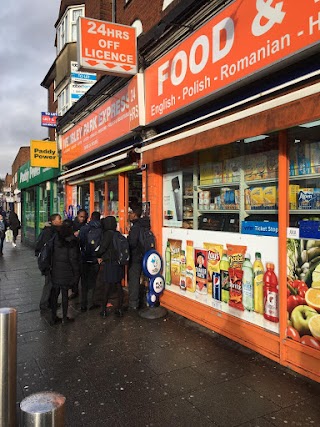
(303, 291)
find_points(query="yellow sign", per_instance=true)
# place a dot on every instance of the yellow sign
(44, 154)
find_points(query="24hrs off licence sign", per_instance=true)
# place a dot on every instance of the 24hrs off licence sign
(107, 47)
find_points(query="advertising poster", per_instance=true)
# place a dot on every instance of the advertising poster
(303, 291)
(229, 272)
(172, 199)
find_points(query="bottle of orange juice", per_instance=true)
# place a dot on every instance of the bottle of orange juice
(258, 272)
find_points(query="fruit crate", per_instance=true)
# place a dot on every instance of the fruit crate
(309, 229)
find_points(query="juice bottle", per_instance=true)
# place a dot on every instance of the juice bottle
(167, 277)
(258, 272)
(247, 283)
(183, 284)
(270, 294)
(224, 276)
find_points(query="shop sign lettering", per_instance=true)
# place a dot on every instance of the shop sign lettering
(245, 38)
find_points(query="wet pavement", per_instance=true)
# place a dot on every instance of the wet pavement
(134, 372)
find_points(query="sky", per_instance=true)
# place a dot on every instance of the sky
(27, 51)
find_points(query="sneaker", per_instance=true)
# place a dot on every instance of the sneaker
(14, 244)
(55, 321)
(103, 313)
(66, 320)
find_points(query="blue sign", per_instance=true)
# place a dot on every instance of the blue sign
(84, 76)
(260, 228)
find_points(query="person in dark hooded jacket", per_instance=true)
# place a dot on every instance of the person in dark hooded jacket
(90, 238)
(136, 255)
(113, 273)
(65, 268)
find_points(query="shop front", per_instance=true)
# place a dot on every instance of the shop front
(237, 208)
(41, 196)
(103, 169)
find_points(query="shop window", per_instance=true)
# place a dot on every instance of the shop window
(223, 188)
(304, 171)
(135, 188)
(99, 196)
(84, 197)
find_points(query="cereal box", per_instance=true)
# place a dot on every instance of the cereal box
(304, 161)
(315, 157)
(206, 167)
(270, 198)
(272, 164)
(306, 198)
(259, 166)
(256, 197)
(248, 168)
(293, 196)
(201, 264)
(231, 171)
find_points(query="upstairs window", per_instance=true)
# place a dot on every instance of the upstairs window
(67, 28)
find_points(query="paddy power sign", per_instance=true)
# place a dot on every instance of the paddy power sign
(44, 154)
(242, 40)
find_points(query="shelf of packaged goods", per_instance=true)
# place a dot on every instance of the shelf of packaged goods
(304, 212)
(262, 181)
(261, 211)
(188, 218)
(224, 211)
(302, 177)
(187, 197)
(218, 185)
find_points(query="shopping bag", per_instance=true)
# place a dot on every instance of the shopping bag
(9, 236)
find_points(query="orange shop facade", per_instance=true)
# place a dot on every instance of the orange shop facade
(104, 171)
(237, 160)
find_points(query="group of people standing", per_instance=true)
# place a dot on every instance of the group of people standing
(12, 223)
(82, 249)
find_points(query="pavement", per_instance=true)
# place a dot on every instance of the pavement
(137, 372)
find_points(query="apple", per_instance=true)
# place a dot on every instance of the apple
(300, 317)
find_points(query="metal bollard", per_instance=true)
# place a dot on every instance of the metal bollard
(8, 366)
(46, 409)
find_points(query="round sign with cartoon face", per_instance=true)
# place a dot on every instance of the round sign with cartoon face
(156, 284)
(152, 263)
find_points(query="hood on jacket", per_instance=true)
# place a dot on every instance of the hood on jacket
(144, 222)
(109, 223)
(94, 224)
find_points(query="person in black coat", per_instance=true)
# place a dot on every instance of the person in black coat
(113, 273)
(3, 227)
(65, 268)
(49, 230)
(15, 226)
(136, 255)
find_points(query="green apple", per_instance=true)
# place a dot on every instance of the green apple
(300, 317)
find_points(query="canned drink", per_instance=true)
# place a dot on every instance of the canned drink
(216, 286)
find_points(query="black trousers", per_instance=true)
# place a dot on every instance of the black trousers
(45, 300)
(108, 290)
(54, 300)
(89, 274)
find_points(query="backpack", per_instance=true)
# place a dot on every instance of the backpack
(121, 246)
(147, 240)
(92, 243)
(45, 256)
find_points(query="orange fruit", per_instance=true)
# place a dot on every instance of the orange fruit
(312, 298)
(314, 326)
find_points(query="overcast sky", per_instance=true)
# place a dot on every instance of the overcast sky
(27, 51)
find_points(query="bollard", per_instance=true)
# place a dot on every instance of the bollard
(45, 409)
(8, 366)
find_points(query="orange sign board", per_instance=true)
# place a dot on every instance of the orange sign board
(243, 39)
(44, 154)
(113, 120)
(107, 47)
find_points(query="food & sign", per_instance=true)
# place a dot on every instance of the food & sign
(243, 39)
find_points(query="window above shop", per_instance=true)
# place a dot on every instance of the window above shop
(67, 27)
